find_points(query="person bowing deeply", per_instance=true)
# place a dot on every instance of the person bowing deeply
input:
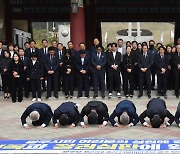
(97, 113)
(67, 114)
(126, 113)
(156, 111)
(39, 113)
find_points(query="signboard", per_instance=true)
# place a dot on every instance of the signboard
(90, 146)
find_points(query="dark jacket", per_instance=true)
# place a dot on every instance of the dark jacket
(145, 62)
(156, 106)
(129, 61)
(51, 64)
(161, 63)
(68, 64)
(101, 109)
(68, 108)
(43, 109)
(176, 60)
(85, 66)
(125, 106)
(111, 61)
(35, 71)
(96, 61)
(4, 63)
(28, 52)
(19, 68)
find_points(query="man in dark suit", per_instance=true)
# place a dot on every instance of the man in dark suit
(162, 61)
(39, 113)
(60, 54)
(144, 63)
(93, 47)
(42, 56)
(98, 61)
(153, 53)
(97, 113)
(156, 111)
(126, 113)
(25, 60)
(51, 66)
(177, 116)
(35, 75)
(176, 61)
(82, 46)
(31, 49)
(83, 63)
(113, 63)
(67, 114)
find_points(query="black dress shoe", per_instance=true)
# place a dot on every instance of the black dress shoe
(177, 96)
(165, 95)
(79, 96)
(103, 96)
(149, 95)
(71, 96)
(87, 96)
(47, 97)
(56, 96)
(140, 95)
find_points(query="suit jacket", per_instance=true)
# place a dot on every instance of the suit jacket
(43, 109)
(125, 106)
(145, 62)
(60, 57)
(100, 108)
(111, 61)
(129, 61)
(153, 53)
(96, 61)
(136, 54)
(156, 106)
(4, 63)
(176, 60)
(177, 115)
(28, 52)
(68, 108)
(42, 54)
(68, 64)
(2, 53)
(161, 63)
(122, 53)
(51, 64)
(19, 68)
(85, 66)
(35, 71)
(93, 50)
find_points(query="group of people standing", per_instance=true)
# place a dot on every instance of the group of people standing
(114, 68)
(67, 114)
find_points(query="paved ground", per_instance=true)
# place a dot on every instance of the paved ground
(11, 128)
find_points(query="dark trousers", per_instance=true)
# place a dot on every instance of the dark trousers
(114, 76)
(83, 82)
(36, 87)
(128, 82)
(99, 78)
(60, 79)
(153, 74)
(136, 77)
(177, 78)
(5, 83)
(26, 86)
(16, 84)
(147, 77)
(52, 82)
(122, 74)
(170, 80)
(43, 81)
(69, 84)
(162, 83)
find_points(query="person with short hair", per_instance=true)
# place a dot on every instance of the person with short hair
(97, 113)
(126, 113)
(40, 114)
(177, 116)
(32, 49)
(51, 67)
(35, 75)
(67, 114)
(156, 111)
(98, 61)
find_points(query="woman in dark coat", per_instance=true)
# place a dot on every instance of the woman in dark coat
(68, 70)
(5, 73)
(16, 68)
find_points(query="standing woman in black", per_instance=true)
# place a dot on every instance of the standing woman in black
(16, 68)
(4, 63)
(68, 70)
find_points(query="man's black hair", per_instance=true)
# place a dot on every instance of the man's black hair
(64, 120)
(92, 118)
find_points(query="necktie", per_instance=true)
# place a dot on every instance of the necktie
(22, 58)
(51, 57)
(45, 51)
